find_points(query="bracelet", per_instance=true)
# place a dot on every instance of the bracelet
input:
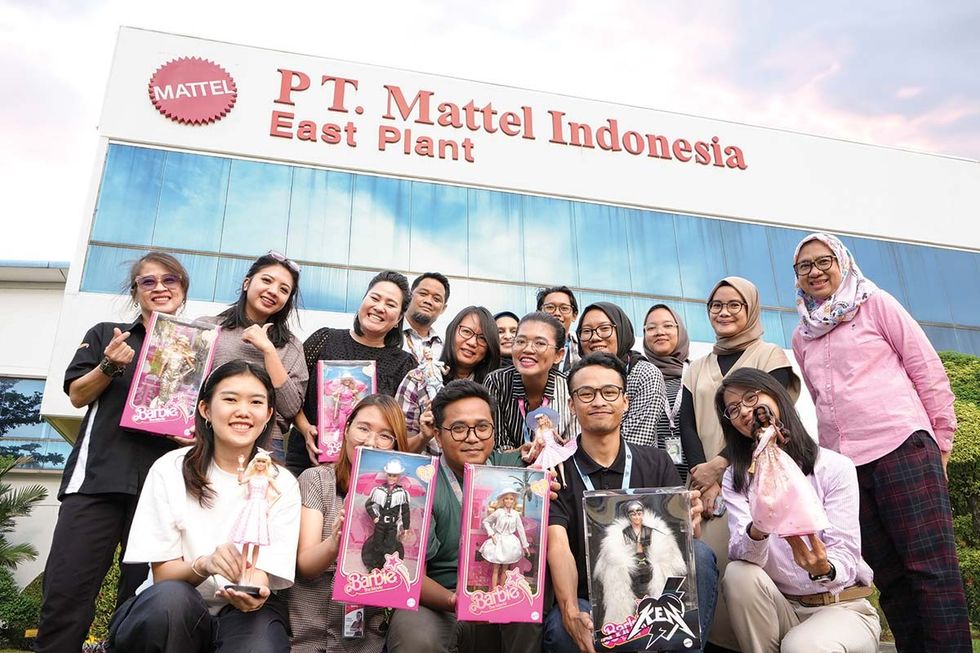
(194, 569)
(109, 368)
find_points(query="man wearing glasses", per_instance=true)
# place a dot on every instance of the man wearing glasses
(559, 302)
(463, 425)
(597, 384)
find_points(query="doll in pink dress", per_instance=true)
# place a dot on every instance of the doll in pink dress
(548, 447)
(781, 499)
(344, 392)
(251, 529)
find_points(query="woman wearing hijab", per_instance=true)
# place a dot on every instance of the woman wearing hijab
(667, 346)
(604, 327)
(883, 400)
(735, 315)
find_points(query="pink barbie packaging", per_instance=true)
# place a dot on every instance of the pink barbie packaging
(383, 541)
(340, 385)
(503, 534)
(640, 563)
(171, 368)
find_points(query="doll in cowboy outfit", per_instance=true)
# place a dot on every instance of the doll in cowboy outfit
(389, 509)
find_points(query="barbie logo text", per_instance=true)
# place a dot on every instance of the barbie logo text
(513, 591)
(388, 577)
(158, 414)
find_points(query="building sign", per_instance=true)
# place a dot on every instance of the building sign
(192, 91)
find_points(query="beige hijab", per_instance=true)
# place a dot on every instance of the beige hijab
(753, 327)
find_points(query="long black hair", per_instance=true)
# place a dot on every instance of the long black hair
(491, 359)
(393, 338)
(799, 445)
(235, 317)
(198, 460)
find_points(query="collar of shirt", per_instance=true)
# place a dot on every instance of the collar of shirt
(411, 333)
(136, 324)
(590, 467)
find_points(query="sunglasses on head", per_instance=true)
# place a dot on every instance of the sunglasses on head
(279, 256)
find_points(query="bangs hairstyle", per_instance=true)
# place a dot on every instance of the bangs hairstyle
(164, 260)
(198, 460)
(550, 320)
(491, 359)
(234, 316)
(393, 338)
(799, 445)
(392, 414)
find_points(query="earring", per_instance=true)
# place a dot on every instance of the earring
(207, 423)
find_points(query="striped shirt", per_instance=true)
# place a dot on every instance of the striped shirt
(507, 389)
(664, 431)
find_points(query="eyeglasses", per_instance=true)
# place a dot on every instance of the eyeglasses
(821, 263)
(460, 431)
(537, 346)
(586, 394)
(666, 326)
(148, 282)
(563, 309)
(360, 434)
(279, 256)
(749, 399)
(603, 331)
(734, 307)
(467, 333)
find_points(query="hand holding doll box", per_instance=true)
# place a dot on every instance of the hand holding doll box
(173, 363)
(639, 557)
(340, 385)
(383, 541)
(503, 534)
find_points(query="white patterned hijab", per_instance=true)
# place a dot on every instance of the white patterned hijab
(819, 317)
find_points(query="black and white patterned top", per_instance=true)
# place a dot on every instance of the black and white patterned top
(664, 430)
(507, 389)
(646, 391)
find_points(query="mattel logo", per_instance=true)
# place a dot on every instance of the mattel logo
(192, 91)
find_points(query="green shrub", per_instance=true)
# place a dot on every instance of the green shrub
(970, 568)
(18, 611)
(964, 461)
(105, 603)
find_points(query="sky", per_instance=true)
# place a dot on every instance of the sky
(896, 73)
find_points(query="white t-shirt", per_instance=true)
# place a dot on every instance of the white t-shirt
(170, 524)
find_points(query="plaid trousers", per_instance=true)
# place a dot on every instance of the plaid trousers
(907, 539)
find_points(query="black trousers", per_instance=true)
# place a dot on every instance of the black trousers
(172, 617)
(89, 528)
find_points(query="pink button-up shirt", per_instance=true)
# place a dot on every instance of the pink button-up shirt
(835, 481)
(876, 380)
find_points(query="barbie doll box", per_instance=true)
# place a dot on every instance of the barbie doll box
(640, 565)
(340, 385)
(503, 534)
(171, 368)
(382, 545)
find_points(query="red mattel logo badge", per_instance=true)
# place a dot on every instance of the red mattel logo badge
(194, 91)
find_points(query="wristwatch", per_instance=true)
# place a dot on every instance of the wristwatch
(109, 368)
(825, 578)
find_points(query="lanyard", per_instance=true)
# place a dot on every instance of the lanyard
(673, 412)
(627, 472)
(451, 479)
(522, 407)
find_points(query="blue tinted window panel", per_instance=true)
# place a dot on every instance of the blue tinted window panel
(438, 229)
(319, 216)
(969, 340)
(701, 255)
(257, 208)
(45, 454)
(880, 263)
(20, 406)
(696, 319)
(773, 326)
(789, 322)
(601, 252)
(782, 245)
(229, 277)
(496, 297)
(106, 268)
(202, 271)
(549, 248)
(380, 222)
(129, 194)
(927, 299)
(496, 250)
(959, 275)
(325, 289)
(942, 338)
(192, 204)
(748, 255)
(653, 256)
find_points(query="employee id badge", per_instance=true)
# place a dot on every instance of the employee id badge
(353, 621)
(672, 445)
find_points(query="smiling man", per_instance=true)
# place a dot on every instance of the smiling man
(604, 461)
(560, 303)
(430, 294)
(463, 424)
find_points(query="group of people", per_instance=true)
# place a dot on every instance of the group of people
(638, 419)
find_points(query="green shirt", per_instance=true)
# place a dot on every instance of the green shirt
(442, 557)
